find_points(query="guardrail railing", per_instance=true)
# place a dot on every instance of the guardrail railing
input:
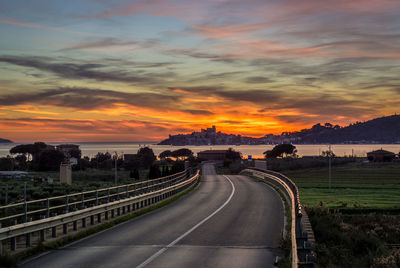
(26, 211)
(95, 209)
(302, 255)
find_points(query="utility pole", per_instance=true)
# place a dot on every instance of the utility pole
(330, 167)
(116, 160)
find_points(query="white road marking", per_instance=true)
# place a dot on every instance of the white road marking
(161, 251)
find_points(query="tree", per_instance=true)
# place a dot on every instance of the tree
(21, 162)
(165, 154)
(281, 149)
(328, 153)
(178, 166)
(184, 152)
(50, 160)
(6, 163)
(75, 152)
(146, 157)
(30, 149)
(134, 174)
(132, 163)
(232, 154)
(270, 154)
(154, 172)
(25, 149)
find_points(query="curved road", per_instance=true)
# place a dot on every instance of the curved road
(227, 221)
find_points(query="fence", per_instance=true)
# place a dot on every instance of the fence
(302, 255)
(41, 217)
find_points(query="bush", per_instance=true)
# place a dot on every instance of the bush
(350, 240)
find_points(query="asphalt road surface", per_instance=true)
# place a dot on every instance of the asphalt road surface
(227, 221)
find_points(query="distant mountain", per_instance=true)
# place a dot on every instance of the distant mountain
(379, 130)
(5, 141)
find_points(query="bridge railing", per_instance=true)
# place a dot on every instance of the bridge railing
(111, 203)
(31, 210)
(301, 252)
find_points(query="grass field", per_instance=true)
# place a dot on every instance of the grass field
(354, 185)
(89, 179)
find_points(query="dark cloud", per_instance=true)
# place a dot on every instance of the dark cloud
(83, 71)
(258, 80)
(88, 99)
(234, 122)
(101, 43)
(198, 112)
(93, 126)
(309, 103)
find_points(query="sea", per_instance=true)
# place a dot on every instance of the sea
(90, 149)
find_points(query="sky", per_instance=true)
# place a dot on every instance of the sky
(118, 71)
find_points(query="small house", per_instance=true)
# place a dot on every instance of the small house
(381, 156)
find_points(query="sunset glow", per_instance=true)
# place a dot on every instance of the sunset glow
(140, 70)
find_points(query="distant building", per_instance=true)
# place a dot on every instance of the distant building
(217, 155)
(381, 156)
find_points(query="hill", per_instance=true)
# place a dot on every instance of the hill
(380, 130)
(5, 141)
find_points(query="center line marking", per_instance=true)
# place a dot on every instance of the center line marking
(161, 251)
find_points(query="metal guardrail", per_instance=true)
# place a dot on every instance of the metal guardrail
(291, 191)
(142, 197)
(26, 211)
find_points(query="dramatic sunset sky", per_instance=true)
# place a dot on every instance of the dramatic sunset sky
(99, 70)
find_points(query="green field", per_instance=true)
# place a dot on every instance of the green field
(89, 179)
(354, 185)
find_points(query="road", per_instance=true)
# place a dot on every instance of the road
(227, 221)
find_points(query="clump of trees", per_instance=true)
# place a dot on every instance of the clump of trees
(179, 154)
(282, 150)
(40, 157)
(231, 156)
(144, 164)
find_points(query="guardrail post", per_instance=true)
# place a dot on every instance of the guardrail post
(84, 223)
(67, 204)
(118, 193)
(127, 193)
(47, 208)
(108, 195)
(42, 236)
(65, 228)
(75, 225)
(25, 205)
(99, 218)
(54, 232)
(13, 243)
(28, 240)
(82, 201)
(106, 215)
(112, 213)
(97, 197)
(91, 219)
